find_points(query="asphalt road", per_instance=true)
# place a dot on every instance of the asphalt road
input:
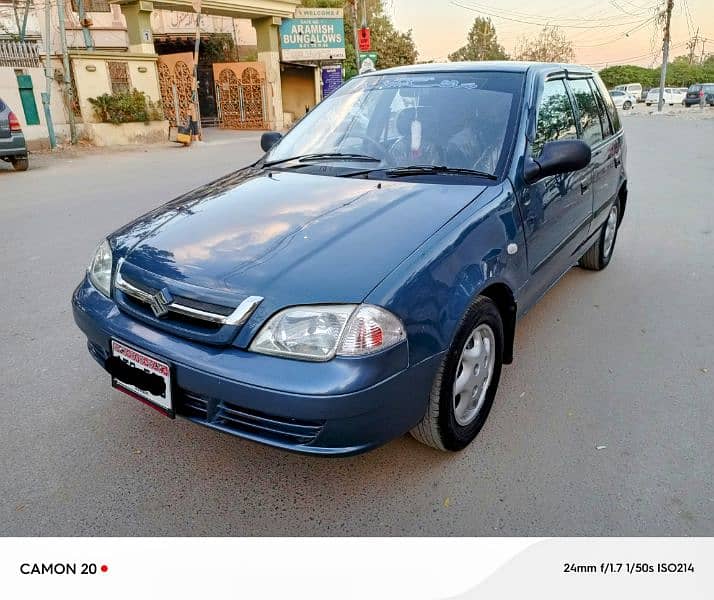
(621, 360)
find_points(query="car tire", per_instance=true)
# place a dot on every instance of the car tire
(600, 253)
(21, 164)
(448, 424)
(626, 105)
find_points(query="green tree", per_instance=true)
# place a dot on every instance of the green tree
(550, 45)
(394, 47)
(481, 43)
(679, 74)
(621, 74)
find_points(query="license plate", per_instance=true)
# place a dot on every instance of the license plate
(142, 377)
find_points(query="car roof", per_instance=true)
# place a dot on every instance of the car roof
(471, 66)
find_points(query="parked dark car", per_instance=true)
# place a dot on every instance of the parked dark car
(363, 279)
(13, 148)
(696, 91)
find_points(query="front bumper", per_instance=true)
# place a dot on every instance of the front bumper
(341, 407)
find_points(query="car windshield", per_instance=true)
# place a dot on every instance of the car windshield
(459, 120)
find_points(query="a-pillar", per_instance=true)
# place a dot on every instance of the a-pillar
(268, 38)
(138, 25)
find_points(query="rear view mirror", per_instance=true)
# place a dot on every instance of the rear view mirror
(269, 139)
(563, 156)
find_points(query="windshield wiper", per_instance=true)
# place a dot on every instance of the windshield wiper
(325, 156)
(436, 170)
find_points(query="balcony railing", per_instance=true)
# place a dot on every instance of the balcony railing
(19, 54)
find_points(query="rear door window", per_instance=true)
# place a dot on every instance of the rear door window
(604, 117)
(590, 125)
(556, 120)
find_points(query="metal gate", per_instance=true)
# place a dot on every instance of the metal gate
(241, 95)
(176, 85)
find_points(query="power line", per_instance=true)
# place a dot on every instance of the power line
(617, 37)
(523, 18)
(629, 58)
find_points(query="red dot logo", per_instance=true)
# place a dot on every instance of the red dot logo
(104, 568)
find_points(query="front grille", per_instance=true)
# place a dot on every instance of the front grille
(231, 417)
(172, 317)
(173, 306)
(204, 306)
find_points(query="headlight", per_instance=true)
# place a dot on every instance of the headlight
(100, 269)
(321, 332)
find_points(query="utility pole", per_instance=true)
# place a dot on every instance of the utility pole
(24, 21)
(48, 77)
(68, 91)
(196, 132)
(356, 41)
(88, 41)
(665, 54)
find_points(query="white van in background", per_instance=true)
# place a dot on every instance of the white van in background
(632, 88)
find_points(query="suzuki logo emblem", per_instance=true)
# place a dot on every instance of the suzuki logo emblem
(160, 302)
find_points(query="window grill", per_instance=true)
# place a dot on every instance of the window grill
(92, 6)
(119, 76)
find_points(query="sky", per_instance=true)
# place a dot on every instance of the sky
(604, 32)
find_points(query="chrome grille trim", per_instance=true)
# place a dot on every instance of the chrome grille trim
(238, 317)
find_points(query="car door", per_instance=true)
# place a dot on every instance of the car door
(556, 210)
(606, 180)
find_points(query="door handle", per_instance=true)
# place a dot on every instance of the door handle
(584, 187)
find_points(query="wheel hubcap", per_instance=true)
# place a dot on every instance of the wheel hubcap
(473, 374)
(610, 230)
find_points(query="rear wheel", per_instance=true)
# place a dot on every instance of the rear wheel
(467, 380)
(21, 164)
(600, 253)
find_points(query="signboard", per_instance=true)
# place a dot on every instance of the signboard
(331, 79)
(367, 62)
(314, 34)
(364, 39)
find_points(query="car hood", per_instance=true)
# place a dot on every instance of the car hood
(291, 238)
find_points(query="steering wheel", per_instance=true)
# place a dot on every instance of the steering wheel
(374, 148)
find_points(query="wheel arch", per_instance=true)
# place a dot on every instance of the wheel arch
(503, 297)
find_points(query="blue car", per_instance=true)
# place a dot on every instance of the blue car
(363, 279)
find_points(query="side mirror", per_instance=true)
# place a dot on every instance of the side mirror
(269, 139)
(563, 156)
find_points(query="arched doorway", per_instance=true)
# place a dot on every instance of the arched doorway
(241, 95)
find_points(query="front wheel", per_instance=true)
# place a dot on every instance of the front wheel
(466, 382)
(600, 253)
(627, 105)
